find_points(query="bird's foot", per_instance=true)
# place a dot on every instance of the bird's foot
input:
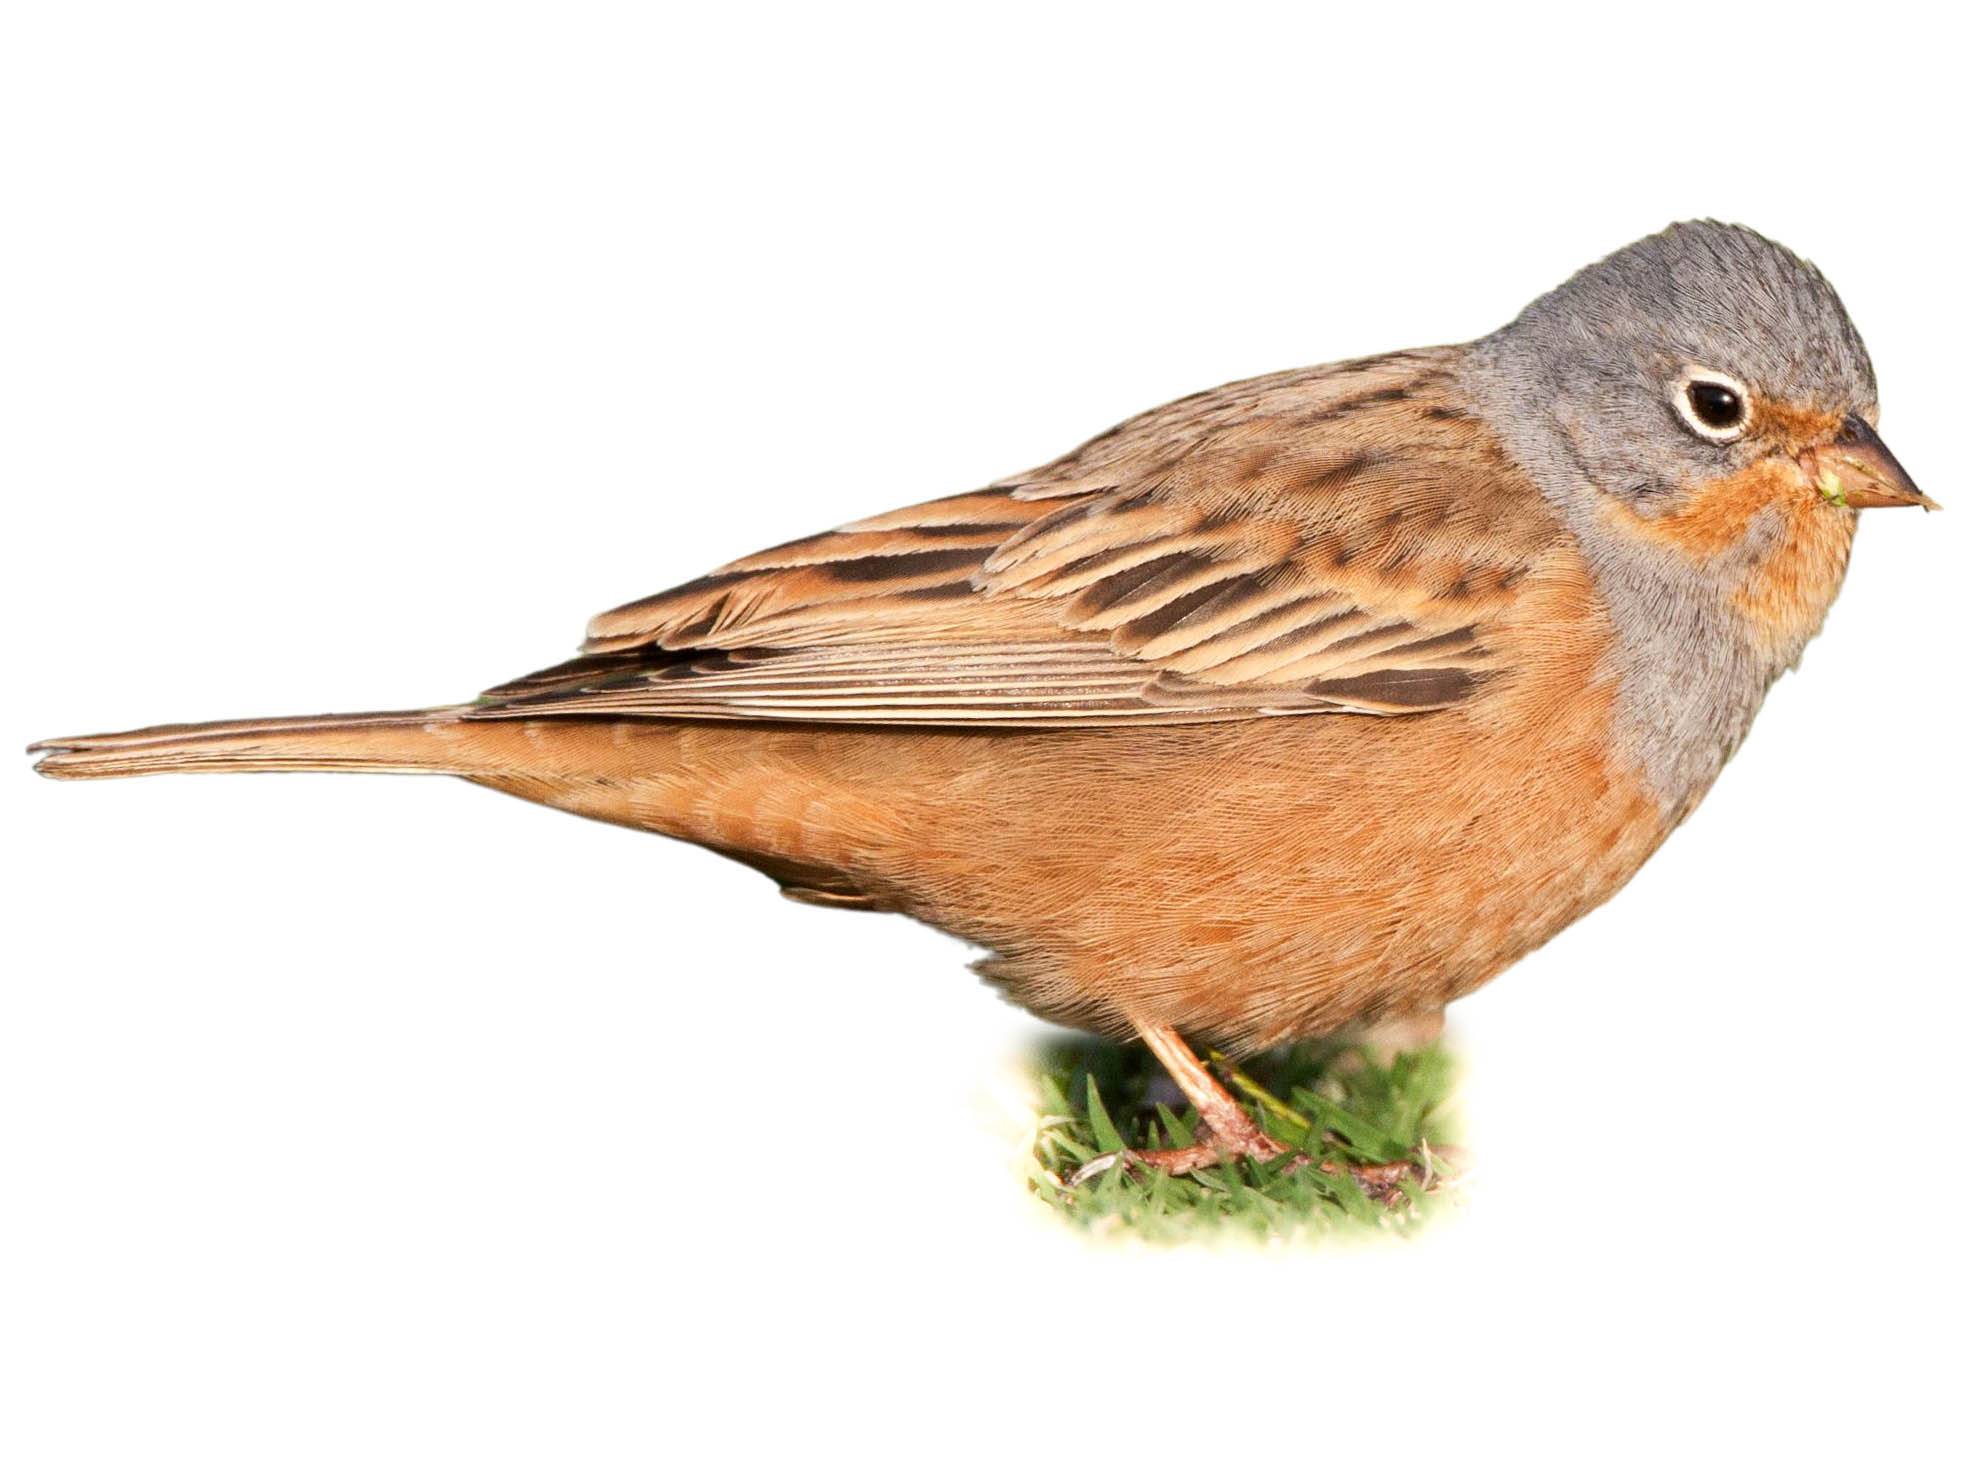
(1241, 1138)
(1434, 1169)
(1226, 1133)
(1381, 1182)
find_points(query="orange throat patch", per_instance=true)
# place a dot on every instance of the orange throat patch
(1775, 542)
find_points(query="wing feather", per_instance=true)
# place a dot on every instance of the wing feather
(1343, 539)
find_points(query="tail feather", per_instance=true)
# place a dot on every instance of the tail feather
(432, 740)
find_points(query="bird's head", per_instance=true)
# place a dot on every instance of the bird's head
(1689, 364)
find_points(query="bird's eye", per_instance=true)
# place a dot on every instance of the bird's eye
(1714, 405)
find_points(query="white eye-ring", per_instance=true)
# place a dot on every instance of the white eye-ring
(1714, 405)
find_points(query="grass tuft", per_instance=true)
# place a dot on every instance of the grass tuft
(1343, 1111)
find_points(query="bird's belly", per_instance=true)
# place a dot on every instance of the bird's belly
(1250, 882)
(1280, 879)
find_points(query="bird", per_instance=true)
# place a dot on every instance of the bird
(1305, 704)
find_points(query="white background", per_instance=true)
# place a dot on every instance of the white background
(353, 355)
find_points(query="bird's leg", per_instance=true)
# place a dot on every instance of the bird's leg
(1224, 1122)
(1227, 1131)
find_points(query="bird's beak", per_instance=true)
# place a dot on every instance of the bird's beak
(1856, 470)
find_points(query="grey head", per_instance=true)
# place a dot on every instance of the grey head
(1647, 380)
(1606, 378)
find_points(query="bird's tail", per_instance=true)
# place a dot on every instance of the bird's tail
(433, 740)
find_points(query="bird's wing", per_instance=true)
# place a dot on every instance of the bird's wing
(1339, 539)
